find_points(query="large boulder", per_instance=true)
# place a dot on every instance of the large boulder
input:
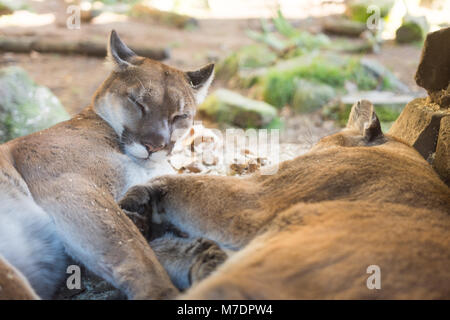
(24, 106)
(228, 107)
(418, 125)
(425, 123)
(441, 161)
(433, 72)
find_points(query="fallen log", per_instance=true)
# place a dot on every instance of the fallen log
(89, 48)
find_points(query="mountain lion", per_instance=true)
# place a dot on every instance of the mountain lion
(359, 201)
(59, 186)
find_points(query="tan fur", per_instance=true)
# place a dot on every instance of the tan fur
(13, 285)
(358, 198)
(75, 171)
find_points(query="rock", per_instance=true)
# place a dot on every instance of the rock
(441, 97)
(418, 125)
(441, 161)
(228, 107)
(173, 19)
(5, 9)
(344, 27)
(433, 72)
(412, 29)
(24, 106)
(9, 6)
(310, 96)
(86, 16)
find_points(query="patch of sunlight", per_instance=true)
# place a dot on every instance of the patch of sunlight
(22, 18)
(109, 17)
(244, 9)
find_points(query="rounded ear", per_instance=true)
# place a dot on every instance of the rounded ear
(364, 119)
(118, 53)
(200, 80)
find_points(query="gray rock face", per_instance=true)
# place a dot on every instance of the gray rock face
(433, 72)
(24, 106)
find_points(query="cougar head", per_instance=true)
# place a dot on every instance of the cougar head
(147, 103)
(363, 129)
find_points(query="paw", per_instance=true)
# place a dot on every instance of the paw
(141, 222)
(208, 257)
(141, 197)
(137, 199)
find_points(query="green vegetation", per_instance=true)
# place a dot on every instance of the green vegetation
(332, 70)
(248, 57)
(291, 67)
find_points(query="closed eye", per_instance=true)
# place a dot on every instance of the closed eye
(180, 117)
(137, 103)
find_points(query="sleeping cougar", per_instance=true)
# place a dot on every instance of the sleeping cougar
(358, 201)
(58, 187)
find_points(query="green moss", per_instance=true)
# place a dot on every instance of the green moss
(228, 107)
(409, 32)
(279, 83)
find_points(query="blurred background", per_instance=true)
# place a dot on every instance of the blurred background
(296, 65)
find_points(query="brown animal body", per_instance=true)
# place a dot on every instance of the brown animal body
(59, 186)
(316, 228)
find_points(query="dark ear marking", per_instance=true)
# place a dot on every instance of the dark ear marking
(118, 52)
(200, 81)
(372, 129)
(199, 77)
